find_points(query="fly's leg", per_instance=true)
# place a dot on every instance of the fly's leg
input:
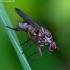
(29, 33)
(40, 52)
(25, 41)
(16, 29)
(34, 39)
(32, 54)
(28, 47)
(29, 37)
(34, 59)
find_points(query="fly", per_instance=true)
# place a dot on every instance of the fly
(38, 34)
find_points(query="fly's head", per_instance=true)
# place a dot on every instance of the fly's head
(49, 40)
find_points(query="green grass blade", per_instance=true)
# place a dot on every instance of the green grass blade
(6, 22)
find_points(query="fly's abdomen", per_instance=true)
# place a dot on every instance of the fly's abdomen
(23, 25)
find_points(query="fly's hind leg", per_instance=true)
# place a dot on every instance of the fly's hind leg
(29, 33)
(29, 37)
(16, 29)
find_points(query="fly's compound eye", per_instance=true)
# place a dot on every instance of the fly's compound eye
(52, 47)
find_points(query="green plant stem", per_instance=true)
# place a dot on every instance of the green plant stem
(13, 38)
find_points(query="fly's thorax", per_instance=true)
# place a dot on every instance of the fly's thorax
(46, 32)
(48, 40)
(33, 30)
(22, 25)
(47, 35)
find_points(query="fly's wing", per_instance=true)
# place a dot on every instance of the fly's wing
(26, 18)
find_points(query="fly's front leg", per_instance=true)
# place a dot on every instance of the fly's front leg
(40, 52)
(32, 54)
(16, 29)
(40, 49)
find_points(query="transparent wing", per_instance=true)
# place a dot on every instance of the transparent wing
(26, 18)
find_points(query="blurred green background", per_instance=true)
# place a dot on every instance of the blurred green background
(53, 15)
